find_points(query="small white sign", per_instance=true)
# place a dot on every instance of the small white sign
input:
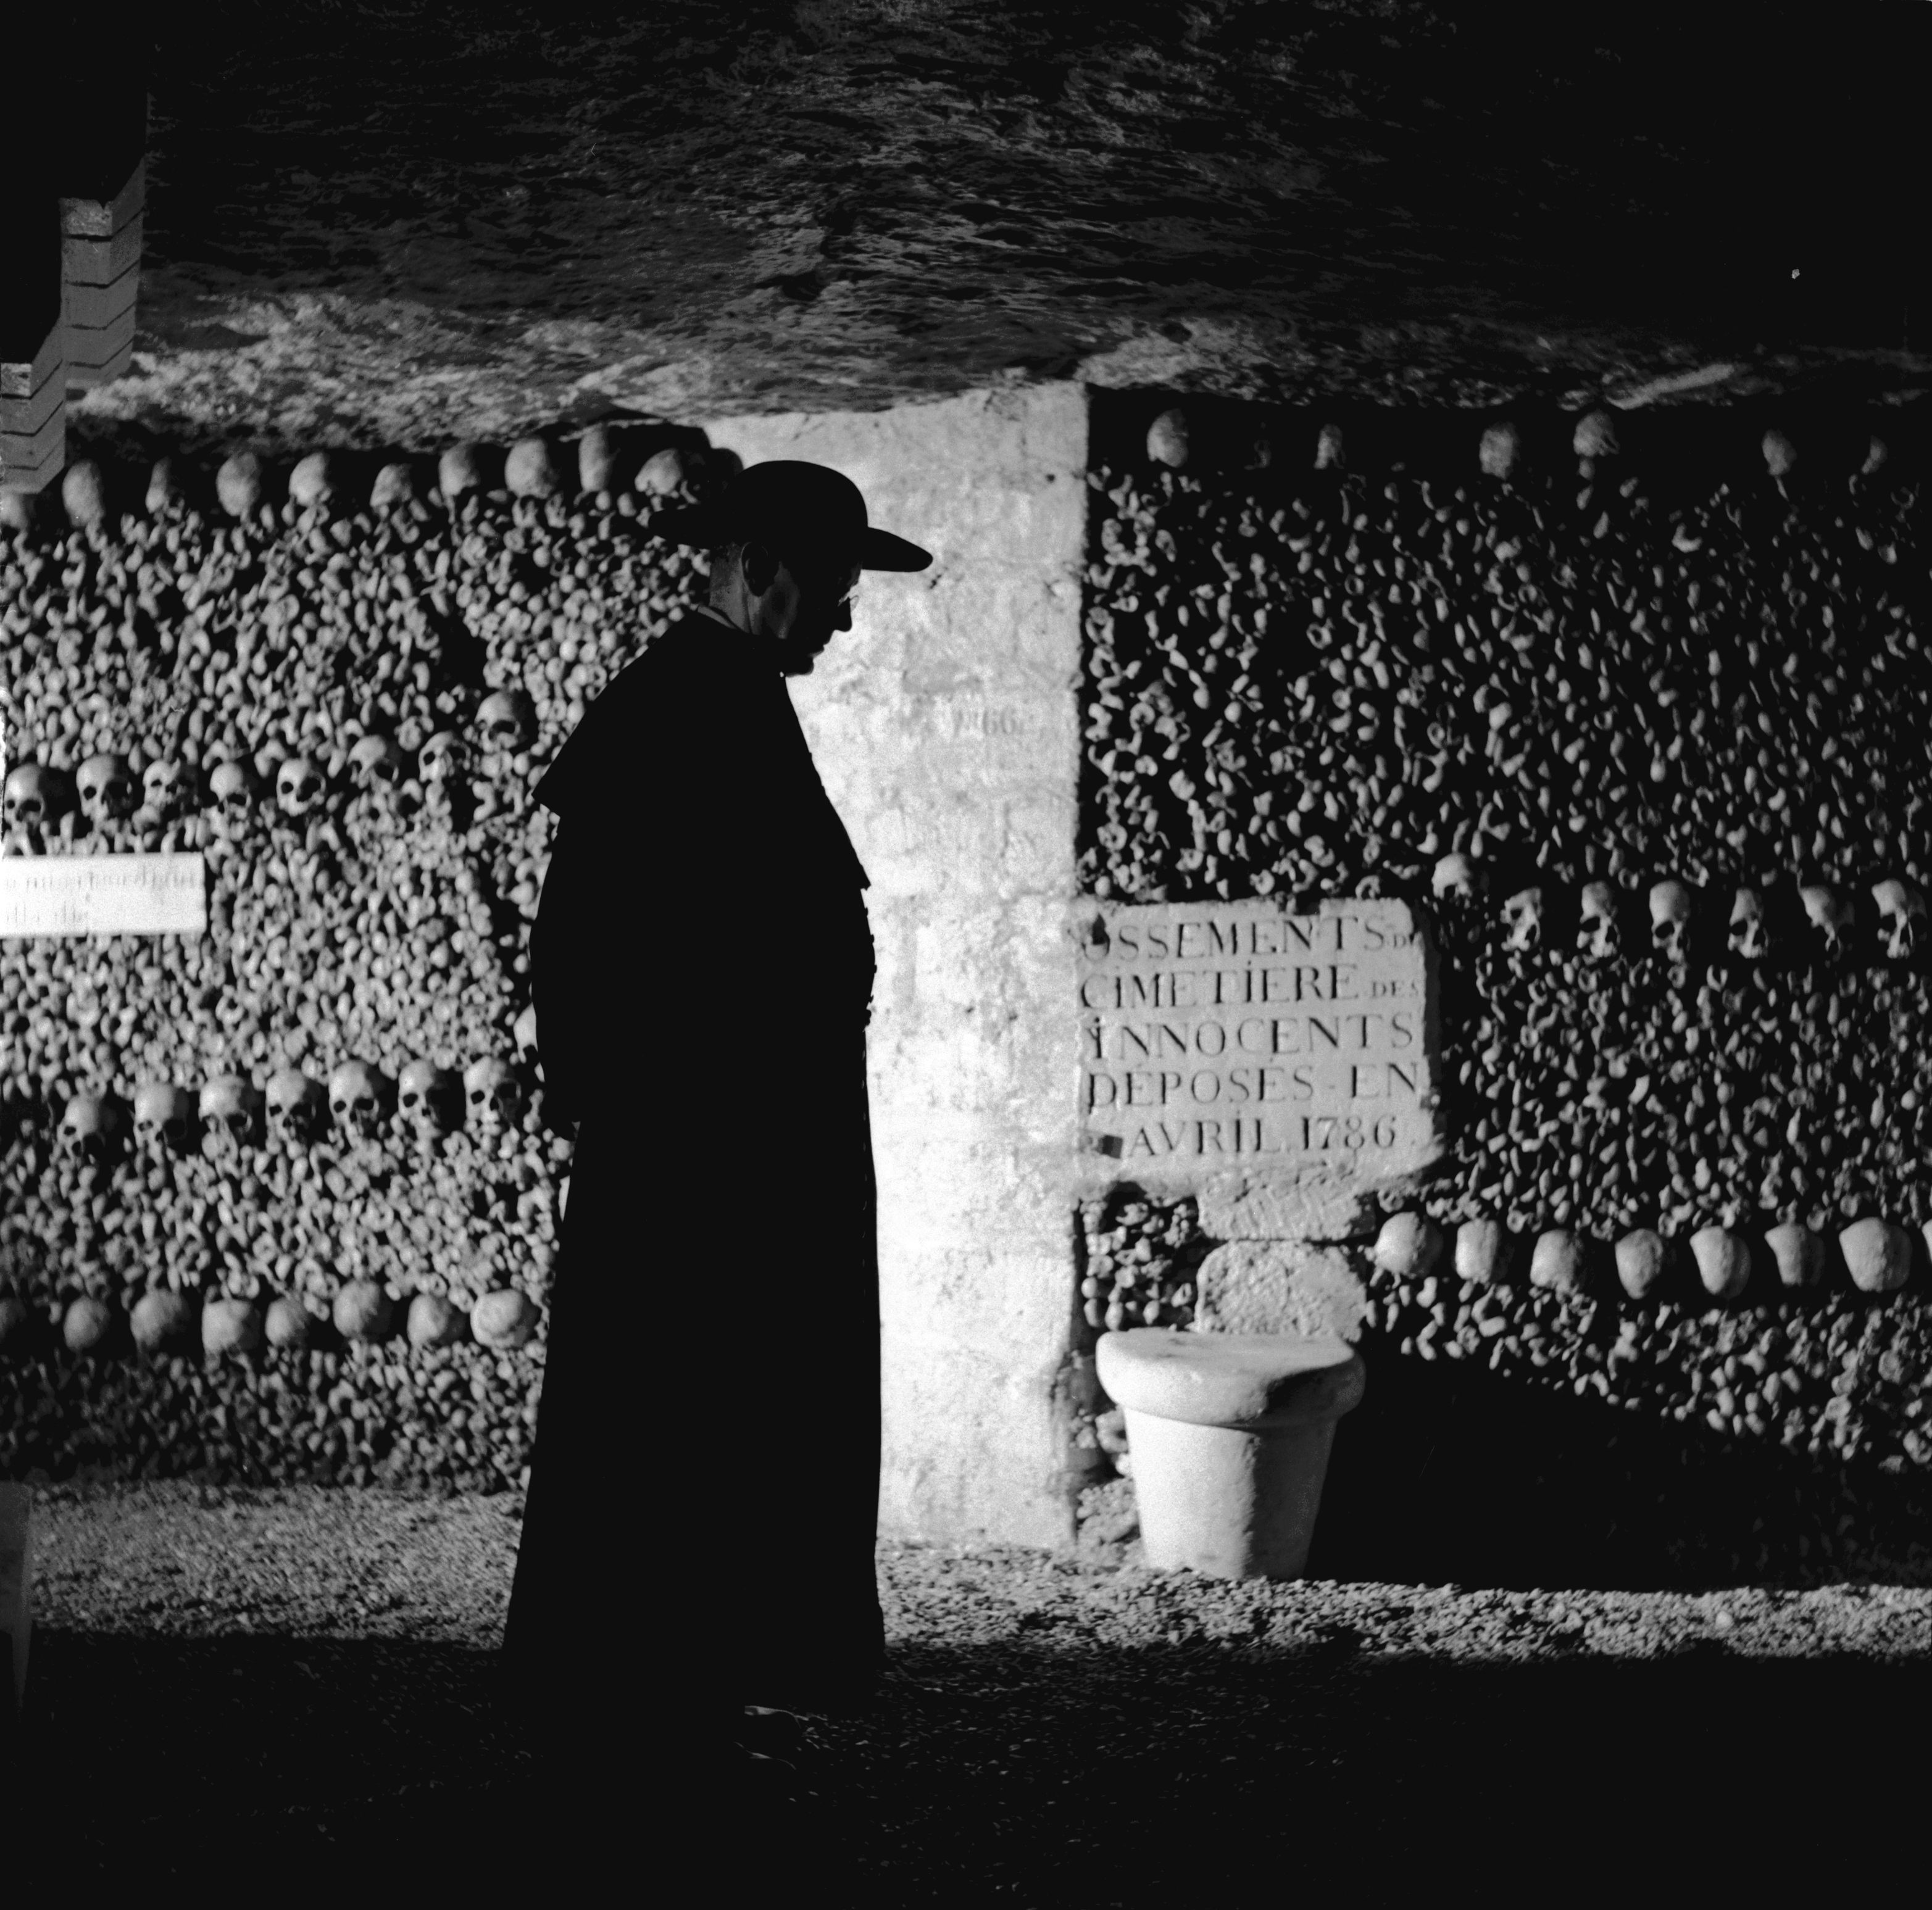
(103, 895)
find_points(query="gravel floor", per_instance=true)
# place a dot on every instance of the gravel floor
(303, 1678)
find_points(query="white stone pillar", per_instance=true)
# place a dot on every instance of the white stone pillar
(945, 727)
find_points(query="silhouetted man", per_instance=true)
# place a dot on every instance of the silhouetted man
(699, 1529)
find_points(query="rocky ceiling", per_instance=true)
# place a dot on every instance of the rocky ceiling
(392, 224)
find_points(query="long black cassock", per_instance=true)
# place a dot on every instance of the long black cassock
(704, 1497)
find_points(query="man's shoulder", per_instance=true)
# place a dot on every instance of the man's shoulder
(661, 670)
(655, 705)
(691, 647)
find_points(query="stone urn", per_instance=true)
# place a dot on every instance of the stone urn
(1230, 1435)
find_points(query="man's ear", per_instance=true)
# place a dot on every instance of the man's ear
(760, 563)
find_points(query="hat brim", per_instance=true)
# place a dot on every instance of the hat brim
(701, 526)
(880, 551)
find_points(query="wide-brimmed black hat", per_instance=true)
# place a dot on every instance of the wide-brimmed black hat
(796, 507)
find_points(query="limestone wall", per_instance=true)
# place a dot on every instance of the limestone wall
(945, 729)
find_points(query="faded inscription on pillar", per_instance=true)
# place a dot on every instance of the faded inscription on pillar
(1237, 1042)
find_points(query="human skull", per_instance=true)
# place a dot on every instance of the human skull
(1595, 435)
(430, 1096)
(1457, 875)
(1497, 453)
(229, 1106)
(494, 1093)
(1750, 930)
(232, 788)
(395, 485)
(1829, 913)
(36, 796)
(1670, 902)
(356, 1093)
(507, 720)
(311, 481)
(1900, 907)
(1597, 929)
(164, 788)
(107, 787)
(298, 786)
(163, 1117)
(90, 1130)
(1523, 911)
(374, 760)
(442, 759)
(1167, 439)
(298, 1105)
(664, 470)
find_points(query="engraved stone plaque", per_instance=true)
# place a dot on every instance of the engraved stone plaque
(103, 895)
(1281, 1066)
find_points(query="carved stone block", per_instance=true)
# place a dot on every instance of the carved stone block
(1280, 1067)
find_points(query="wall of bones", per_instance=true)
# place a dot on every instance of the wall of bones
(1639, 709)
(313, 1138)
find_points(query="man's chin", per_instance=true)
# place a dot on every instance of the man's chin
(797, 659)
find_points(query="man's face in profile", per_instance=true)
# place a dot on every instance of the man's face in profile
(807, 603)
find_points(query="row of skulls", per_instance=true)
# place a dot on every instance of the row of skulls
(104, 791)
(530, 468)
(358, 1098)
(1498, 450)
(1674, 907)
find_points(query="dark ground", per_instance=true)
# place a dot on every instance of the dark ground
(1053, 1730)
(1036, 1775)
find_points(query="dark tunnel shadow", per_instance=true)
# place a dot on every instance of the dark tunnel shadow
(149, 1750)
(1448, 1473)
(1175, 1774)
(1033, 1771)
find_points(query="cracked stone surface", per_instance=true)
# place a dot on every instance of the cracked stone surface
(375, 225)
